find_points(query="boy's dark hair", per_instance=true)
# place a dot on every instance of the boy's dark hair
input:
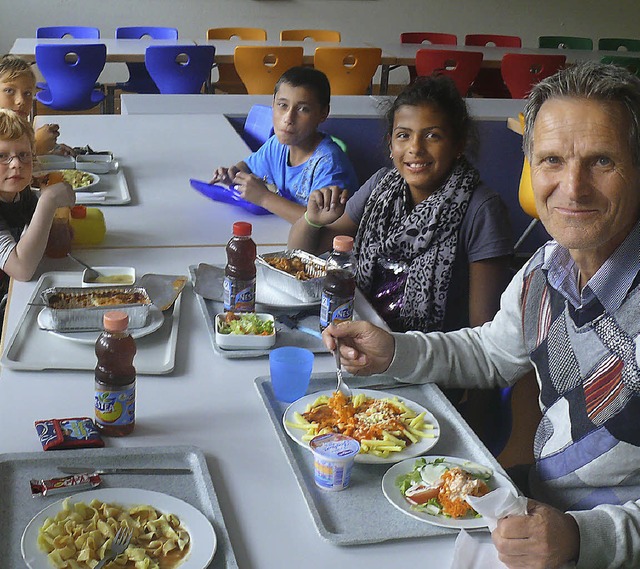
(309, 78)
(440, 91)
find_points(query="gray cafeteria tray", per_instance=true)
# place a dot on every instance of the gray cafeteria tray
(280, 303)
(361, 513)
(30, 348)
(17, 506)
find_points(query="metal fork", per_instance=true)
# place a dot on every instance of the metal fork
(119, 543)
(342, 386)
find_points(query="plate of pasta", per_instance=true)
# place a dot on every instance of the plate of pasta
(165, 529)
(388, 428)
(433, 489)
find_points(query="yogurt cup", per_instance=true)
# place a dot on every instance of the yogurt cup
(333, 457)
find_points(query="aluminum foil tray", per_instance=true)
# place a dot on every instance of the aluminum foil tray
(306, 290)
(90, 318)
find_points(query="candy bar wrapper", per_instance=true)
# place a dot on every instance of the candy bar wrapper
(77, 432)
(64, 484)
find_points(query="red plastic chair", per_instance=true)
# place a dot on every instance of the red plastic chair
(480, 40)
(461, 66)
(489, 82)
(433, 38)
(521, 71)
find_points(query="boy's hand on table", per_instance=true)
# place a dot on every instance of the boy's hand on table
(224, 175)
(326, 205)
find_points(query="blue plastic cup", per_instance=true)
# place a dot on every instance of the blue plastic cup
(290, 372)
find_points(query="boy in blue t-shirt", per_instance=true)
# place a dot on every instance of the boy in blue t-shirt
(298, 158)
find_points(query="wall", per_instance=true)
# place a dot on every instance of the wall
(358, 20)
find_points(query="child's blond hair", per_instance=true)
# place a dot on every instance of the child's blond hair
(12, 67)
(13, 127)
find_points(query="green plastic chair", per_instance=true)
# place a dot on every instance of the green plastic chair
(631, 63)
(614, 44)
(341, 143)
(565, 42)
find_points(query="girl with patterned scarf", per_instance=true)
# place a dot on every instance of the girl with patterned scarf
(432, 243)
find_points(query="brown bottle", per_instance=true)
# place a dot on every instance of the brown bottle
(339, 286)
(115, 384)
(60, 234)
(240, 271)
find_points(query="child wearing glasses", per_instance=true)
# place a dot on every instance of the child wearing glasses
(17, 88)
(25, 219)
(298, 158)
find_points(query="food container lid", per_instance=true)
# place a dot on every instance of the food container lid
(335, 446)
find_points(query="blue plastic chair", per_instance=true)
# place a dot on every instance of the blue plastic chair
(139, 79)
(179, 68)
(78, 32)
(71, 72)
(258, 126)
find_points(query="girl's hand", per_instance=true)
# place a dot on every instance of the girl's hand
(326, 205)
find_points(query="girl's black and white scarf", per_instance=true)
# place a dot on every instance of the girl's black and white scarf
(423, 237)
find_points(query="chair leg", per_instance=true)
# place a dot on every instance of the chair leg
(525, 234)
(109, 100)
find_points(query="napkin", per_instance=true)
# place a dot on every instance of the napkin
(478, 551)
(92, 197)
(209, 281)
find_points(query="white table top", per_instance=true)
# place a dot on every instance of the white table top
(159, 155)
(210, 402)
(117, 49)
(342, 106)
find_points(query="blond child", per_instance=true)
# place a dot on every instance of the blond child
(25, 219)
(17, 89)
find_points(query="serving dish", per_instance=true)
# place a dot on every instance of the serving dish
(416, 449)
(395, 497)
(245, 341)
(96, 163)
(313, 268)
(75, 308)
(202, 535)
(54, 162)
(112, 276)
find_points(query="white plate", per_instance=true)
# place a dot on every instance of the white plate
(154, 322)
(393, 494)
(203, 537)
(94, 178)
(422, 446)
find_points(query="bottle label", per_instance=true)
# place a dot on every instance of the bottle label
(115, 407)
(335, 309)
(239, 295)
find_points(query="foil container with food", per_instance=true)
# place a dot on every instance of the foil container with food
(295, 272)
(83, 308)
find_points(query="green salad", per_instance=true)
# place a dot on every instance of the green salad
(244, 324)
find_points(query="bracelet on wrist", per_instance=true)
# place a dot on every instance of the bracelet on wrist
(314, 225)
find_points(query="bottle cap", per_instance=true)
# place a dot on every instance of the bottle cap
(242, 229)
(342, 243)
(115, 321)
(79, 211)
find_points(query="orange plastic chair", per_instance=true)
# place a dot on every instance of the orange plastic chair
(315, 35)
(525, 195)
(433, 38)
(260, 67)
(461, 66)
(522, 71)
(489, 82)
(349, 69)
(228, 80)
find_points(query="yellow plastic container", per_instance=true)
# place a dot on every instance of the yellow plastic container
(88, 225)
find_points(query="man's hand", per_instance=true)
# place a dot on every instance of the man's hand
(326, 205)
(365, 349)
(545, 538)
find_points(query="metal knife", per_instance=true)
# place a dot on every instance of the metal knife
(85, 469)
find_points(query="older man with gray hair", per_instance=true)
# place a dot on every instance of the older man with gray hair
(573, 314)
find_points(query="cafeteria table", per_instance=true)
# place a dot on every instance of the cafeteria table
(118, 50)
(210, 402)
(159, 154)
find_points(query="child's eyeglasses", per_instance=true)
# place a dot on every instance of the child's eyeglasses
(23, 157)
